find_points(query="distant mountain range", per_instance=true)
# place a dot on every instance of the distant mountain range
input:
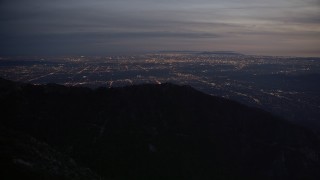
(145, 132)
(205, 52)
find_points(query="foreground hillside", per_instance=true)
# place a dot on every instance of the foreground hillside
(147, 132)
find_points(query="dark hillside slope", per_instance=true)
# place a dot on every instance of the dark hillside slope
(24, 157)
(160, 132)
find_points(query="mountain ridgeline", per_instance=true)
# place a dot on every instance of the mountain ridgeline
(146, 132)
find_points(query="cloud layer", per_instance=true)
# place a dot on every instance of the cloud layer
(274, 27)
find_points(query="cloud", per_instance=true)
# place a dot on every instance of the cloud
(190, 24)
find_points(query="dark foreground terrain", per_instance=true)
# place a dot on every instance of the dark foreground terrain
(145, 132)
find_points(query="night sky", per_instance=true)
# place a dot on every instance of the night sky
(102, 27)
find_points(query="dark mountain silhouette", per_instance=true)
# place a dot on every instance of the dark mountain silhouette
(24, 157)
(154, 132)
